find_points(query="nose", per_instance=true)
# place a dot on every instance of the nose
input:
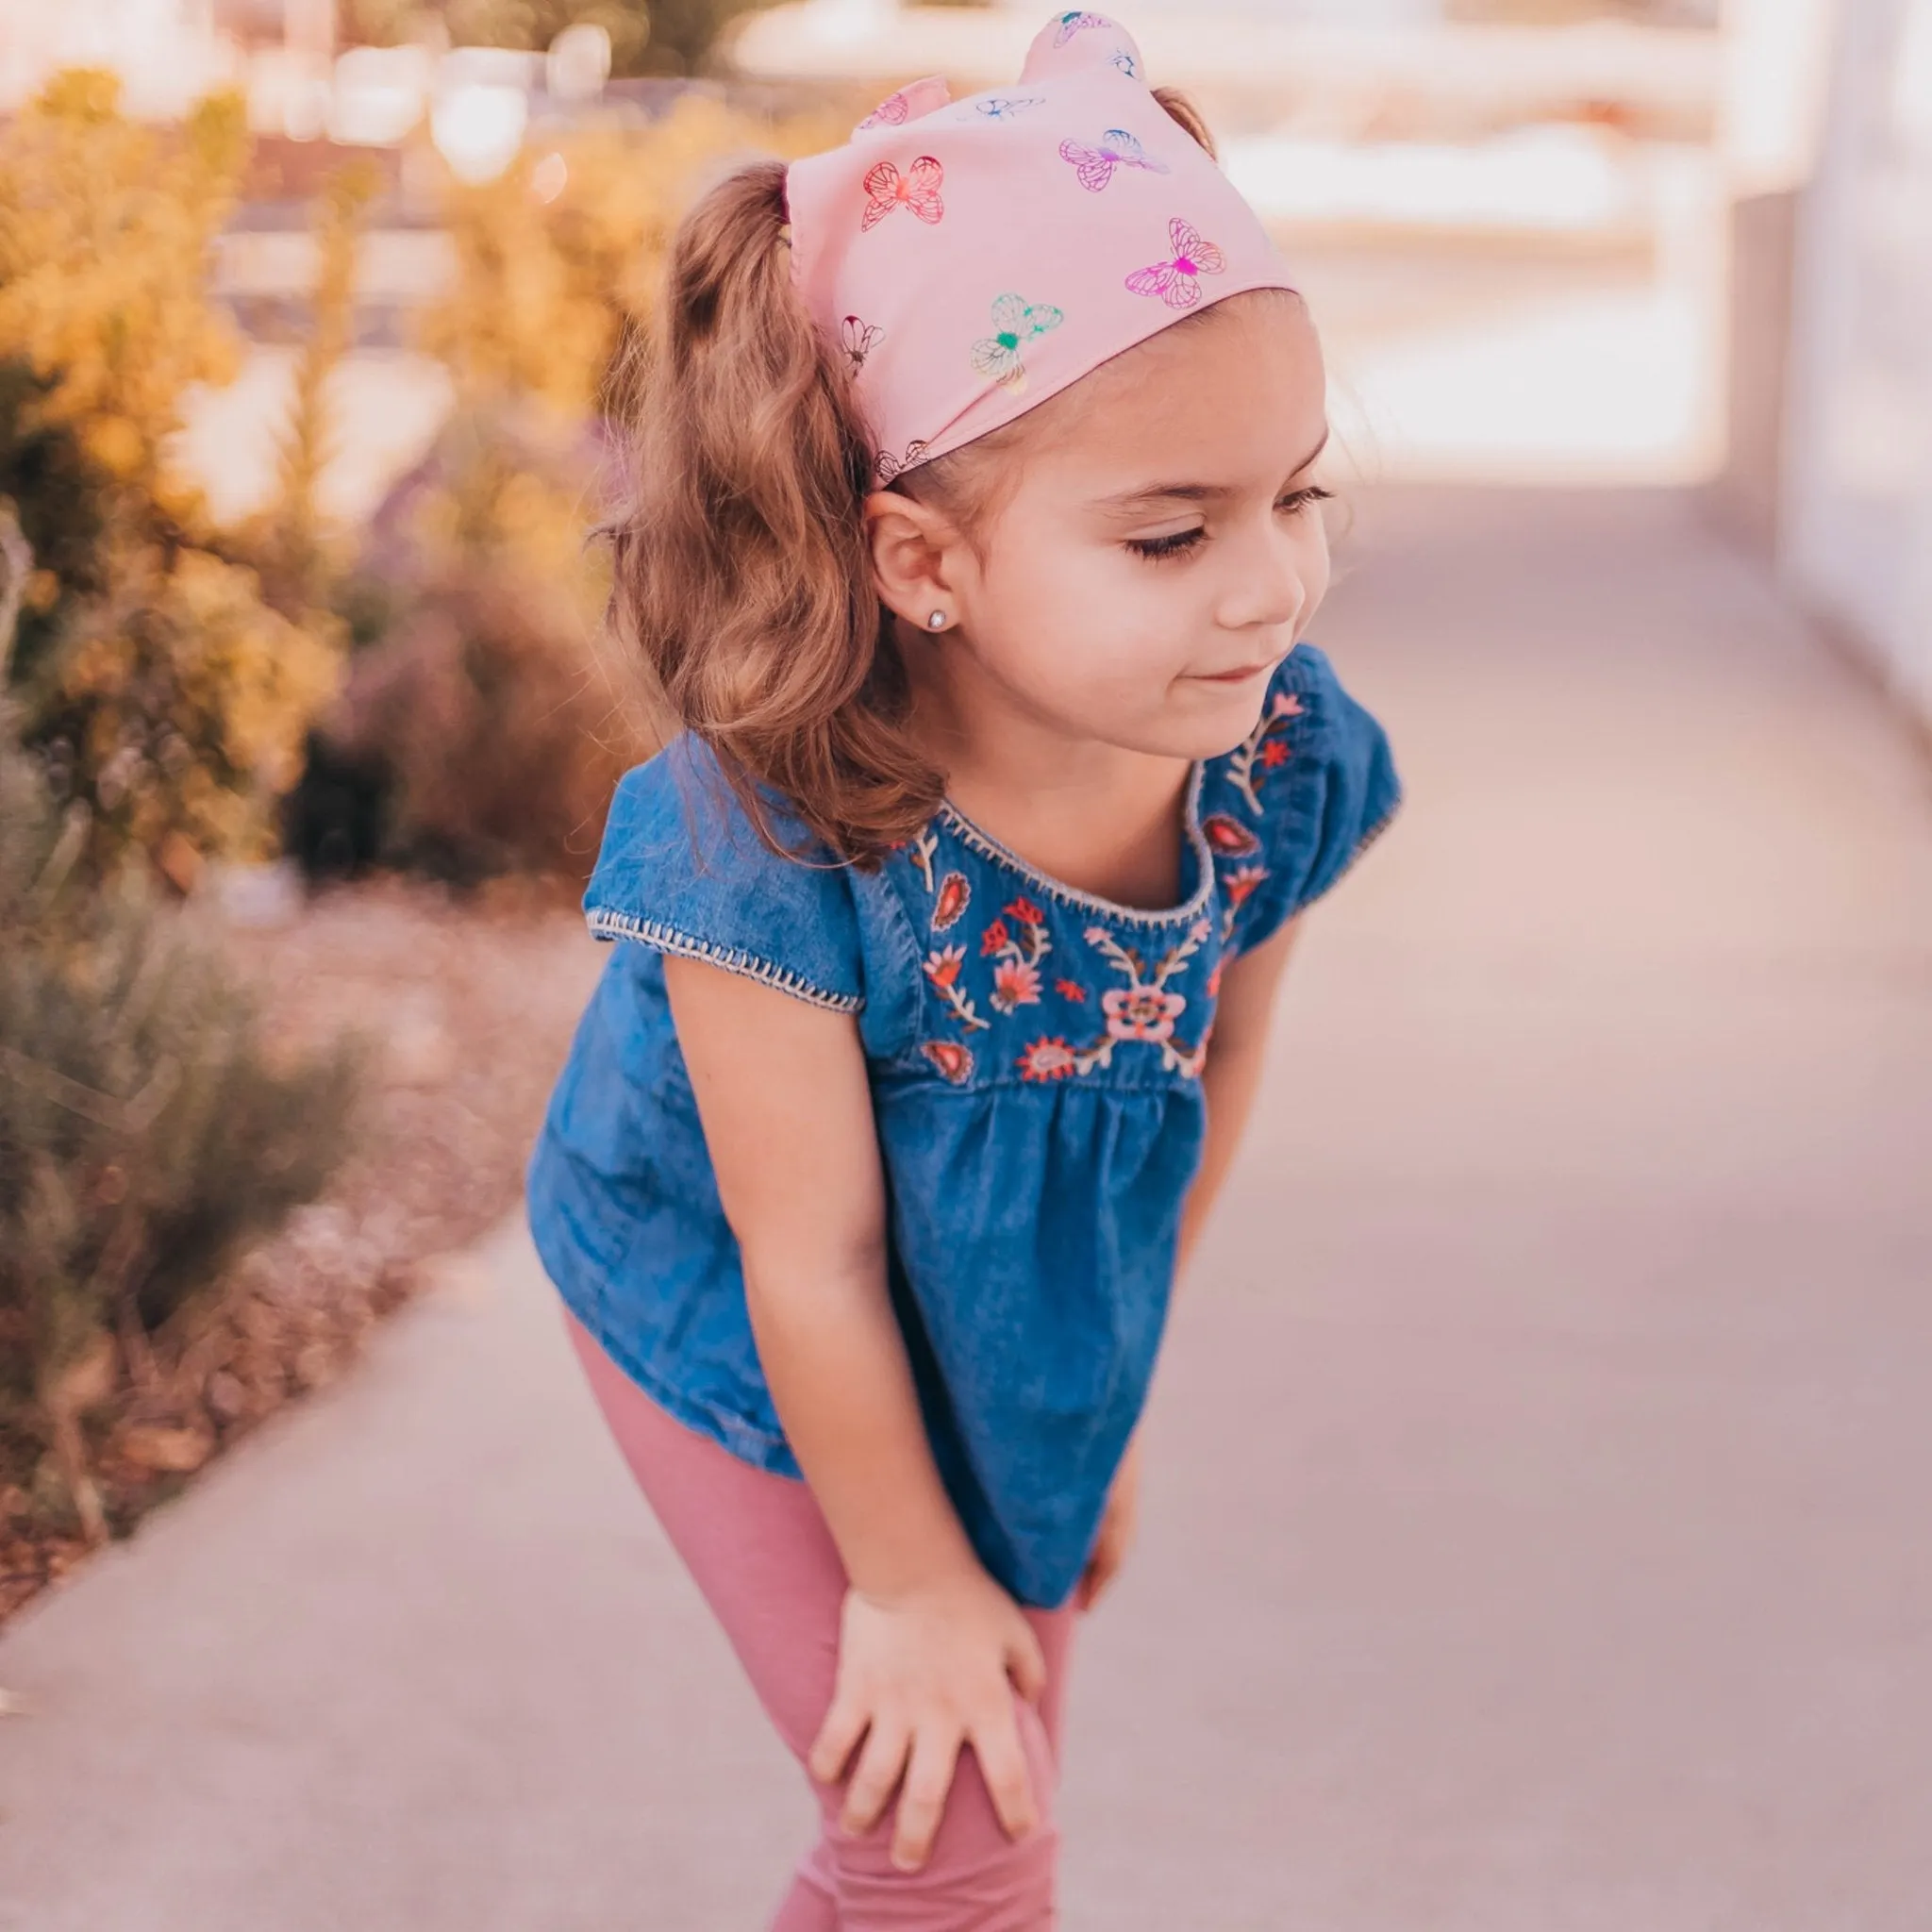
(1267, 585)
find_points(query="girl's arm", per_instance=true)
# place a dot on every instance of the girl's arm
(929, 1642)
(1230, 1079)
(1232, 1076)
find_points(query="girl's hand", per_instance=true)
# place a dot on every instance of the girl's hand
(1116, 1530)
(920, 1675)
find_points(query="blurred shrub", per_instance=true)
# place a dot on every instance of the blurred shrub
(485, 728)
(147, 1127)
(672, 37)
(164, 695)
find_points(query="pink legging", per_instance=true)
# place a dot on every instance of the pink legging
(762, 1556)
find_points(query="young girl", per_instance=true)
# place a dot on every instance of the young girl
(976, 528)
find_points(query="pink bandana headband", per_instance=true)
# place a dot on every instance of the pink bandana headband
(972, 258)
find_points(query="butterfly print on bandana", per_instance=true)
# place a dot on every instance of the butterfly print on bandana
(1177, 282)
(1002, 108)
(886, 465)
(890, 112)
(858, 339)
(1071, 23)
(1123, 59)
(1117, 149)
(1016, 322)
(917, 188)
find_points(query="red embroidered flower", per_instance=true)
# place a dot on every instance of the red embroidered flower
(954, 893)
(1275, 753)
(1069, 989)
(1015, 984)
(1214, 982)
(951, 1058)
(1228, 836)
(1048, 1059)
(995, 938)
(1141, 1012)
(1240, 884)
(942, 964)
(1027, 912)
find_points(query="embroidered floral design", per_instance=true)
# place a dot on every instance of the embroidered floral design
(953, 1057)
(1016, 978)
(1049, 1059)
(886, 465)
(1145, 1010)
(1117, 149)
(1263, 747)
(922, 848)
(954, 893)
(917, 188)
(1016, 322)
(1177, 280)
(1071, 989)
(1242, 882)
(942, 966)
(858, 339)
(890, 112)
(1077, 22)
(1227, 836)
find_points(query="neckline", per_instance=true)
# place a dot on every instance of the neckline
(1195, 905)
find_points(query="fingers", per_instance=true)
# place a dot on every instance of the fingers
(879, 1766)
(928, 1779)
(1027, 1662)
(838, 1738)
(1003, 1765)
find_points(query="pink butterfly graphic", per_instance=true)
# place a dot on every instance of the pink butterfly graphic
(887, 465)
(858, 339)
(918, 188)
(1178, 282)
(890, 112)
(1071, 23)
(1117, 149)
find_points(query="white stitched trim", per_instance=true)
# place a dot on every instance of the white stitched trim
(667, 939)
(989, 847)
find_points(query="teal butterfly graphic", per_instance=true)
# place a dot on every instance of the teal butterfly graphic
(1016, 322)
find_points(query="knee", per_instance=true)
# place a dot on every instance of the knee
(978, 1878)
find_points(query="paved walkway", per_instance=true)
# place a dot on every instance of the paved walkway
(1536, 1534)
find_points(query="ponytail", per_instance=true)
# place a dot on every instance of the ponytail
(740, 567)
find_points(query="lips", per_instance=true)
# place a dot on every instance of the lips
(1241, 676)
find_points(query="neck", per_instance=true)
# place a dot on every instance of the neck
(1098, 816)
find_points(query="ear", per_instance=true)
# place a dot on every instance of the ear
(916, 553)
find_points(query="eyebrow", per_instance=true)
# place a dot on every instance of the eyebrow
(1194, 492)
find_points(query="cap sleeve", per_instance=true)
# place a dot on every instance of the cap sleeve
(1312, 788)
(682, 870)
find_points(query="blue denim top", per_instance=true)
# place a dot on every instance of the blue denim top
(1035, 1056)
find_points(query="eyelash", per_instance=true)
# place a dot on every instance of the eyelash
(1156, 549)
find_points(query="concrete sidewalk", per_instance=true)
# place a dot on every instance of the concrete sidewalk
(1536, 1532)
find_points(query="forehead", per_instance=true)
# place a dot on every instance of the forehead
(1232, 392)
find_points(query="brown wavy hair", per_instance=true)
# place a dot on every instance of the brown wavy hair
(741, 568)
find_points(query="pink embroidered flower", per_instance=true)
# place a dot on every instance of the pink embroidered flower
(1015, 984)
(942, 965)
(951, 1058)
(1228, 836)
(1048, 1059)
(1141, 1012)
(1214, 981)
(953, 895)
(1069, 989)
(1275, 753)
(1027, 912)
(1243, 881)
(995, 938)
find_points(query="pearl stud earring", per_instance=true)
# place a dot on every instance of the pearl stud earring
(937, 621)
